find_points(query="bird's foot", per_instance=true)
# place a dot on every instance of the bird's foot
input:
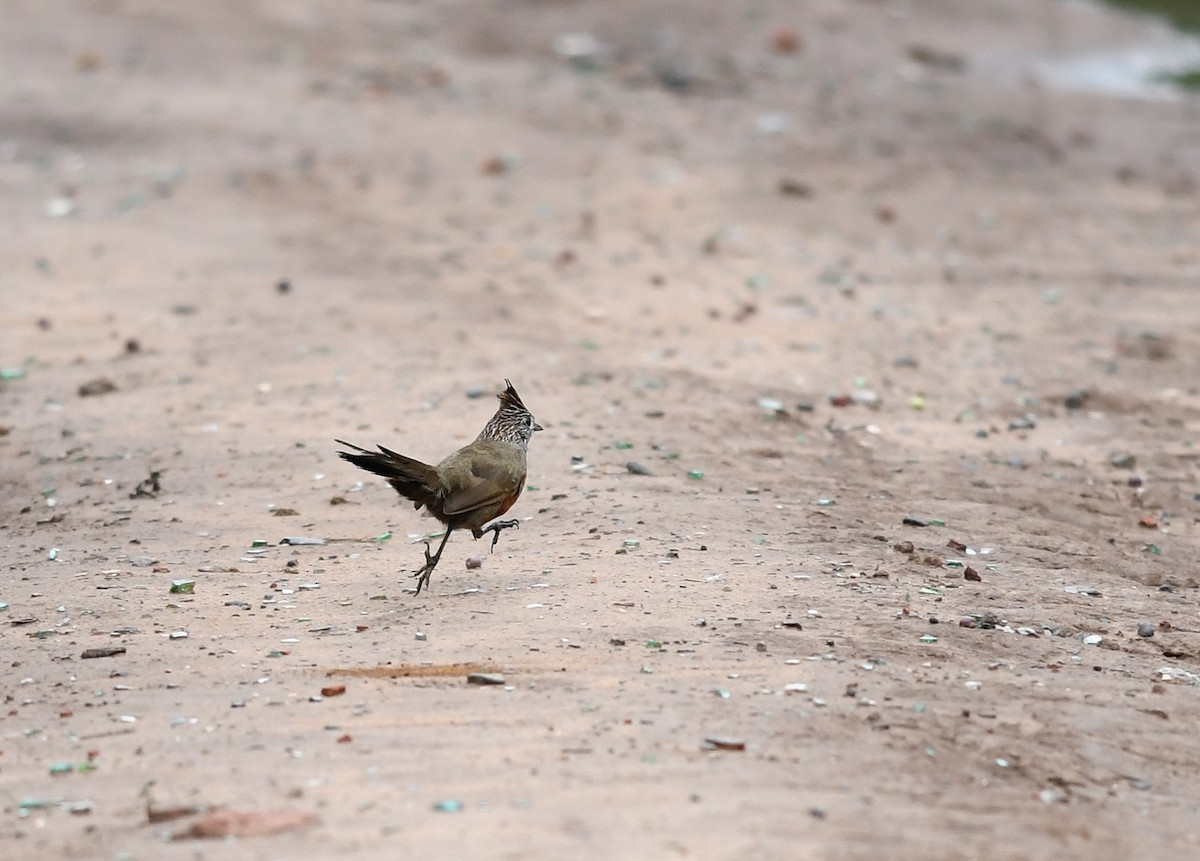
(425, 571)
(495, 530)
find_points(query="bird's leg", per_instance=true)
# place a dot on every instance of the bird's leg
(495, 530)
(422, 573)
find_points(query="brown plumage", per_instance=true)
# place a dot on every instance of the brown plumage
(477, 483)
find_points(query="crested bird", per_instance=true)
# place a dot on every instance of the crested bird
(470, 487)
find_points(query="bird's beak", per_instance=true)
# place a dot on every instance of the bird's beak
(537, 427)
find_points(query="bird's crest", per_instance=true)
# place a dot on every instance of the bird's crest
(510, 398)
(512, 422)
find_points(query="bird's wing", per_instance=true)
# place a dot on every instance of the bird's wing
(481, 493)
(483, 486)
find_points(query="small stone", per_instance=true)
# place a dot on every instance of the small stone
(1122, 460)
(1026, 422)
(1093, 640)
(760, 646)
(1076, 399)
(98, 386)
(485, 679)
(474, 562)
(790, 187)
(59, 207)
(1146, 629)
(636, 468)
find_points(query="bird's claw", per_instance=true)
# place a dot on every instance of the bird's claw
(497, 526)
(425, 571)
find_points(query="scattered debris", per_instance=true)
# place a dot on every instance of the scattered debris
(1122, 460)
(786, 41)
(1077, 398)
(103, 652)
(795, 188)
(155, 814)
(98, 386)
(720, 742)
(224, 823)
(149, 486)
(935, 58)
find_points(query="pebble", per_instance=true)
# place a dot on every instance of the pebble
(474, 562)
(1146, 629)
(98, 386)
(636, 468)
(485, 679)
(1122, 460)
(1076, 399)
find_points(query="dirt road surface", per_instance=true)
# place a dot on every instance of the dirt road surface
(906, 338)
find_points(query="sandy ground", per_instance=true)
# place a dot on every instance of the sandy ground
(820, 268)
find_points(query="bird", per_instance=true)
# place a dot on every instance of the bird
(476, 484)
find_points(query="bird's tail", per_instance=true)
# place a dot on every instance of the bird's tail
(412, 479)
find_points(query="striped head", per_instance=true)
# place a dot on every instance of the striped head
(512, 423)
